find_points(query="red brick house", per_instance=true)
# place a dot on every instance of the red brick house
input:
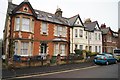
(110, 39)
(32, 32)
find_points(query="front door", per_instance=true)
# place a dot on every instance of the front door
(43, 50)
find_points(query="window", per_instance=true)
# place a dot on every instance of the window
(17, 24)
(56, 49)
(43, 48)
(44, 28)
(25, 9)
(62, 49)
(64, 33)
(80, 33)
(109, 38)
(90, 48)
(59, 49)
(95, 48)
(99, 49)
(76, 32)
(16, 47)
(86, 48)
(25, 24)
(99, 36)
(81, 47)
(89, 35)
(95, 36)
(59, 30)
(86, 35)
(76, 46)
(24, 48)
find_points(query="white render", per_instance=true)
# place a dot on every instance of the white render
(85, 42)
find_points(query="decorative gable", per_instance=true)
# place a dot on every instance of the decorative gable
(97, 27)
(78, 22)
(26, 8)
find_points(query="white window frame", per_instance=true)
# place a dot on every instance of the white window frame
(81, 47)
(76, 33)
(56, 48)
(80, 33)
(95, 36)
(17, 24)
(95, 48)
(24, 48)
(62, 49)
(25, 24)
(16, 48)
(44, 28)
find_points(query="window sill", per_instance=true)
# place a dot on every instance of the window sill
(25, 31)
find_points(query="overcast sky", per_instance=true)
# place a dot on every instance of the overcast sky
(104, 11)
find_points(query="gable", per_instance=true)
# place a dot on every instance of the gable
(26, 8)
(96, 27)
(78, 22)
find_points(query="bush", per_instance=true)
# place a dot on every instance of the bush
(78, 51)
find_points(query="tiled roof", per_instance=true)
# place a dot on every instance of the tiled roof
(90, 26)
(73, 19)
(43, 15)
(105, 30)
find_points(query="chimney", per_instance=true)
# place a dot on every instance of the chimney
(88, 20)
(26, 1)
(103, 26)
(58, 12)
(9, 1)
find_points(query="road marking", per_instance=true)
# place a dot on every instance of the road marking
(45, 74)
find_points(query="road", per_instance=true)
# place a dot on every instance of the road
(109, 71)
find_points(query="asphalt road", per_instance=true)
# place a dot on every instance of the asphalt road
(110, 71)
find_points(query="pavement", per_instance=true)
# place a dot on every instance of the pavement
(42, 69)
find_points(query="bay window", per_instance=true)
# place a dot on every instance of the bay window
(16, 47)
(62, 49)
(80, 33)
(24, 48)
(59, 49)
(76, 32)
(60, 31)
(17, 24)
(25, 24)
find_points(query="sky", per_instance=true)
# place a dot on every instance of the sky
(103, 11)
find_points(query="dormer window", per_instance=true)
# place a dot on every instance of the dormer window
(25, 9)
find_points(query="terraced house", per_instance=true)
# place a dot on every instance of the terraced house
(110, 39)
(85, 36)
(31, 32)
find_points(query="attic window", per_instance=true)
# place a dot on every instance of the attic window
(78, 22)
(25, 9)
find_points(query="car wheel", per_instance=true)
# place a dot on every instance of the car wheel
(107, 63)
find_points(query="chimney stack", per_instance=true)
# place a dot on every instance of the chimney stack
(58, 12)
(9, 1)
(103, 26)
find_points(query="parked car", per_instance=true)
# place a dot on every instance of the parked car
(104, 58)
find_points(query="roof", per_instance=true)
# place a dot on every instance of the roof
(73, 19)
(105, 30)
(91, 26)
(41, 15)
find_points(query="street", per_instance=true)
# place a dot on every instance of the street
(109, 71)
